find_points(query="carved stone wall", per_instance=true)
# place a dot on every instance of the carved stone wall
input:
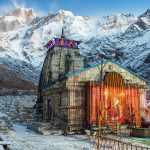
(55, 63)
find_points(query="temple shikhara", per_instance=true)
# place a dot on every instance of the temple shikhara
(77, 97)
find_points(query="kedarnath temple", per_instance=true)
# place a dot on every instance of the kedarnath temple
(76, 96)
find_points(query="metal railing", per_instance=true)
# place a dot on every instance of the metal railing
(114, 144)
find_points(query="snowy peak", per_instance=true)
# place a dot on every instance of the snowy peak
(61, 15)
(116, 21)
(146, 14)
(25, 13)
(142, 24)
(144, 20)
(119, 19)
(65, 14)
(16, 19)
(87, 27)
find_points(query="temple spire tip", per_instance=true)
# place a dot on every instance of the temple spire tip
(63, 33)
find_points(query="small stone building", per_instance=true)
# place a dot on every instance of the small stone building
(77, 97)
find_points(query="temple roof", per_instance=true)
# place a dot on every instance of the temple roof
(62, 42)
(97, 64)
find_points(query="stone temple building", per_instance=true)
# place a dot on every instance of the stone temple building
(77, 97)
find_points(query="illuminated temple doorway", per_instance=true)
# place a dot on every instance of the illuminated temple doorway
(113, 100)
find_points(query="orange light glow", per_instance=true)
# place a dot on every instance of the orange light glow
(116, 102)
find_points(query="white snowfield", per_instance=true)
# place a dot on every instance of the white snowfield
(22, 138)
(25, 139)
(1, 148)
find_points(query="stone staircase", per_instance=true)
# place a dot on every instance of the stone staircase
(45, 128)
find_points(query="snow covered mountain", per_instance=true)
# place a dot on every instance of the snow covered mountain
(23, 35)
(16, 19)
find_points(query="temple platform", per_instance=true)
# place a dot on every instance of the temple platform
(45, 128)
(141, 132)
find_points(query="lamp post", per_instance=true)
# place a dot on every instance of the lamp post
(100, 107)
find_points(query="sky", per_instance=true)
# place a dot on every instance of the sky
(78, 7)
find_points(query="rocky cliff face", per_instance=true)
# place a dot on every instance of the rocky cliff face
(23, 36)
(11, 80)
(16, 19)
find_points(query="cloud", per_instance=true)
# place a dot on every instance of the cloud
(17, 3)
(22, 4)
(13, 4)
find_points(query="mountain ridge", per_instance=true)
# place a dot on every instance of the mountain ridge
(23, 50)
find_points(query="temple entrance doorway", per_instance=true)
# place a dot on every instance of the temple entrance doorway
(113, 100)
(49, 110)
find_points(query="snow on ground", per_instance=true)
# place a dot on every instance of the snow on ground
(25, 139)
(13, 104)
